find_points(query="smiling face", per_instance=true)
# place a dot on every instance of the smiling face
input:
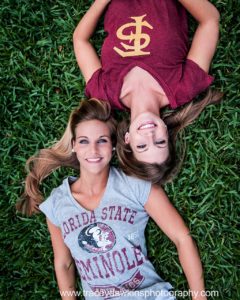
(148, 138)
(93, 146)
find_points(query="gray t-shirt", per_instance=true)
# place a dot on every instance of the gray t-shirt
(108, 244)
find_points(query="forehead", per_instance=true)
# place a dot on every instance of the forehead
(93, 128)
(153, 155)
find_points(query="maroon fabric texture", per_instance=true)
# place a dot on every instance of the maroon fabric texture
(152, 35)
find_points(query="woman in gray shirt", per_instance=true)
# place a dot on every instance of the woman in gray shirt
(98, 220)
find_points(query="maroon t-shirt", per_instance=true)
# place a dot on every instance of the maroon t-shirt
(152, 35)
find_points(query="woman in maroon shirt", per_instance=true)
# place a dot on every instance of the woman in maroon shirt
(146, 64)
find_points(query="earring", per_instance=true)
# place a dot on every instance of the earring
(113, 149)
(73, 150)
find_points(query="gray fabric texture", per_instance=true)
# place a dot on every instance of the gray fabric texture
(108, 244)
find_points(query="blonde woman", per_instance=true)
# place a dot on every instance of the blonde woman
(97, 220)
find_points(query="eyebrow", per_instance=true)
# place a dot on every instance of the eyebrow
(85, 137)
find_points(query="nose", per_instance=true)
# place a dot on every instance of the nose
(94, 148)
(147, 132)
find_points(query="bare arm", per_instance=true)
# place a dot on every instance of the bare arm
(63, 263)
(168, 219)
(206, 36)
(86, 55)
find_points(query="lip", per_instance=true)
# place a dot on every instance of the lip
(94, 160)
(147, 125)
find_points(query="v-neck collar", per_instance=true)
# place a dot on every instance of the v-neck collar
(71, 179)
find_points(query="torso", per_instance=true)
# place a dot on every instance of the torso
(157, 42)
(108, 243)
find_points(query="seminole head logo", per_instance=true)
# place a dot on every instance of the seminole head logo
(97, 238)
(137, 40)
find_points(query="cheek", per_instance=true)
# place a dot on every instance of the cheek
(162, 132)
(137, 139)
(80, 153)
(107, 150)
(133, 138)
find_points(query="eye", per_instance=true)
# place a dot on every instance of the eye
(141, 146)
(161, 142)
(83, 141)
(102, 141)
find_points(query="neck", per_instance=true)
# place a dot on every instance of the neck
(144, 99)
(92, 184)
(142, 93)
(143, 102)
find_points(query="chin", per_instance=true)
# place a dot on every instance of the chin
(98, 169)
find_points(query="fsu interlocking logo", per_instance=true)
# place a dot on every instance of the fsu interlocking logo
(97, 238)
(138, 40)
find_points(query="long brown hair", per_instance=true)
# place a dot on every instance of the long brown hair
(60, 154)
(175, 121)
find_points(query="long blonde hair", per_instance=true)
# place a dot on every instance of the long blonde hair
(60, 154)
(175, 121)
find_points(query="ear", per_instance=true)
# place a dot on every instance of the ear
(127, 138)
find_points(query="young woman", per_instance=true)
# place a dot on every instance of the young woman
(146, 64)
(97, 220)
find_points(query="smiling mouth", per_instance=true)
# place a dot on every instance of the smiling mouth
(148, 125)
(94, 160)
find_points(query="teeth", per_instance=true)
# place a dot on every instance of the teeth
(94, 159)
(146, 126)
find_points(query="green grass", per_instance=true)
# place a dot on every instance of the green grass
(41, 83)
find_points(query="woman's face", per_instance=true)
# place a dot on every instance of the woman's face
(93, 146)
(148, 138)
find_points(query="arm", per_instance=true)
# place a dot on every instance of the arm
(86, 55)
(63, 262)
(206, 36)
(168, 219)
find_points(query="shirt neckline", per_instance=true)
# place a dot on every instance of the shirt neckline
(104, 196)
(147, 68)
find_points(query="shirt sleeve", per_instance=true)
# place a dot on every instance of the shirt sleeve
(140, 189)
(194, 80)
(95, 87)
(48, 208)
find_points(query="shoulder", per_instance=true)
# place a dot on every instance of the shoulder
(95, 86)
(60, 192)
(62, 188)
(133, 187)
(53, 205)
(117, 173)
(194, 80)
